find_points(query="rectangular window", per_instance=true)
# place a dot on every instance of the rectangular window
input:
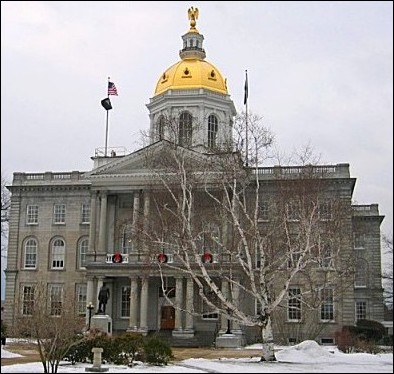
(361, 310)
(83, 250)
(325, 211)
(59, 214)
(293, 257)
(327, 341)
(125, 302)
(293, 211)
(56, 299)
(206, 310)
(32, 215)
(327, 306)
(294, 304)
(359, 241)
(325, 260)
(361, 273)
(257, 307)
(85, 213)
(27, 300)
(30, 254)
(81, 299)
(263, 211)
(292, 341)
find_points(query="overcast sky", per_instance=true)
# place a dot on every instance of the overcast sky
(319, 73)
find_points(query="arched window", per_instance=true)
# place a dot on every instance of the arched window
(82, 251)
(30, 258)
(160, 128)
(212, 131)
(58, 253)
(185, 129)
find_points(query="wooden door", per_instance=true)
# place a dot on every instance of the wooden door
(167, 317)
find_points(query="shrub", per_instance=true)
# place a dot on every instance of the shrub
(157, 352)
(131, 346)
(371, 330)
(345, 339)
(3, 333)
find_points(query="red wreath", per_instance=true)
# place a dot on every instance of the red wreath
(162, 258)
(117, 258)
(207, 257)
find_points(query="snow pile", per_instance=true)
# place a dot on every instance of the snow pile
(307, 351)
(8, 354)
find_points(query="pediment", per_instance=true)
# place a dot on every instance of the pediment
(144, 161)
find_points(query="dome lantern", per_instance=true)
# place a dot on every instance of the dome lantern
(192, 71)
(192, 40)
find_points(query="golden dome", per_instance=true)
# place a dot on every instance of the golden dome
(191, 74)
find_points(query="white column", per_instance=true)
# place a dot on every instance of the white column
(178, 303)
(100, 283)
(136, 209)
(90, 299)
(223, 318)
(133, 320)
(103, 224)
(189, 304)
(92, 227)
(146, 222)
(144, 307)
(235, 297)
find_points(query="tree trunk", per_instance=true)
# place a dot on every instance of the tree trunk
(268, 353)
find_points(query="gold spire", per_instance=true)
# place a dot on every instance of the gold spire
(193, 16)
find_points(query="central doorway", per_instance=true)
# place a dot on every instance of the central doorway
(167, 321)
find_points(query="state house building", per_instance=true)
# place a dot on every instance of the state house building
(78, 230)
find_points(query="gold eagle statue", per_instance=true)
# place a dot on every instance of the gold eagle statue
(193, 16)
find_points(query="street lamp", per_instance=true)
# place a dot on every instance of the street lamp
(90, 307)
(228, 322)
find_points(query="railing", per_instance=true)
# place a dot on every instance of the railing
(138, 257)
(39, 178)
(365, 210)
(328, 171)
(111, 258)
(111, 152)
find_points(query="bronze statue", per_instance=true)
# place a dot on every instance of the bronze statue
(103, 297)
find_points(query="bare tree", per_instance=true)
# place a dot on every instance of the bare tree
(5, 205)
(388, 271)
(241, 237)
(49, 316)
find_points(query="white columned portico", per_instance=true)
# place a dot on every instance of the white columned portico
(223, 319)
(90, 298)
(189, 326)
(178, 303)
(103, 225)
(144, 307)
(92, 227)
(235, 296)
(133, 320)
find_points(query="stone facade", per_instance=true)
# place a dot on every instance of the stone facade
(75, 231)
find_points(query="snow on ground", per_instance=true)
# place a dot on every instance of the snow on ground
(306, 357)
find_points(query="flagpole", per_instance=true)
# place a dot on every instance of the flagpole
(246, 115)
(106, 125)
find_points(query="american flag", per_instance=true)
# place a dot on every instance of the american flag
(112, 90)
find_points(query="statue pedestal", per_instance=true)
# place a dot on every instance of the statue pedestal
(229, 341)
(102, 322)
(183, 334)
